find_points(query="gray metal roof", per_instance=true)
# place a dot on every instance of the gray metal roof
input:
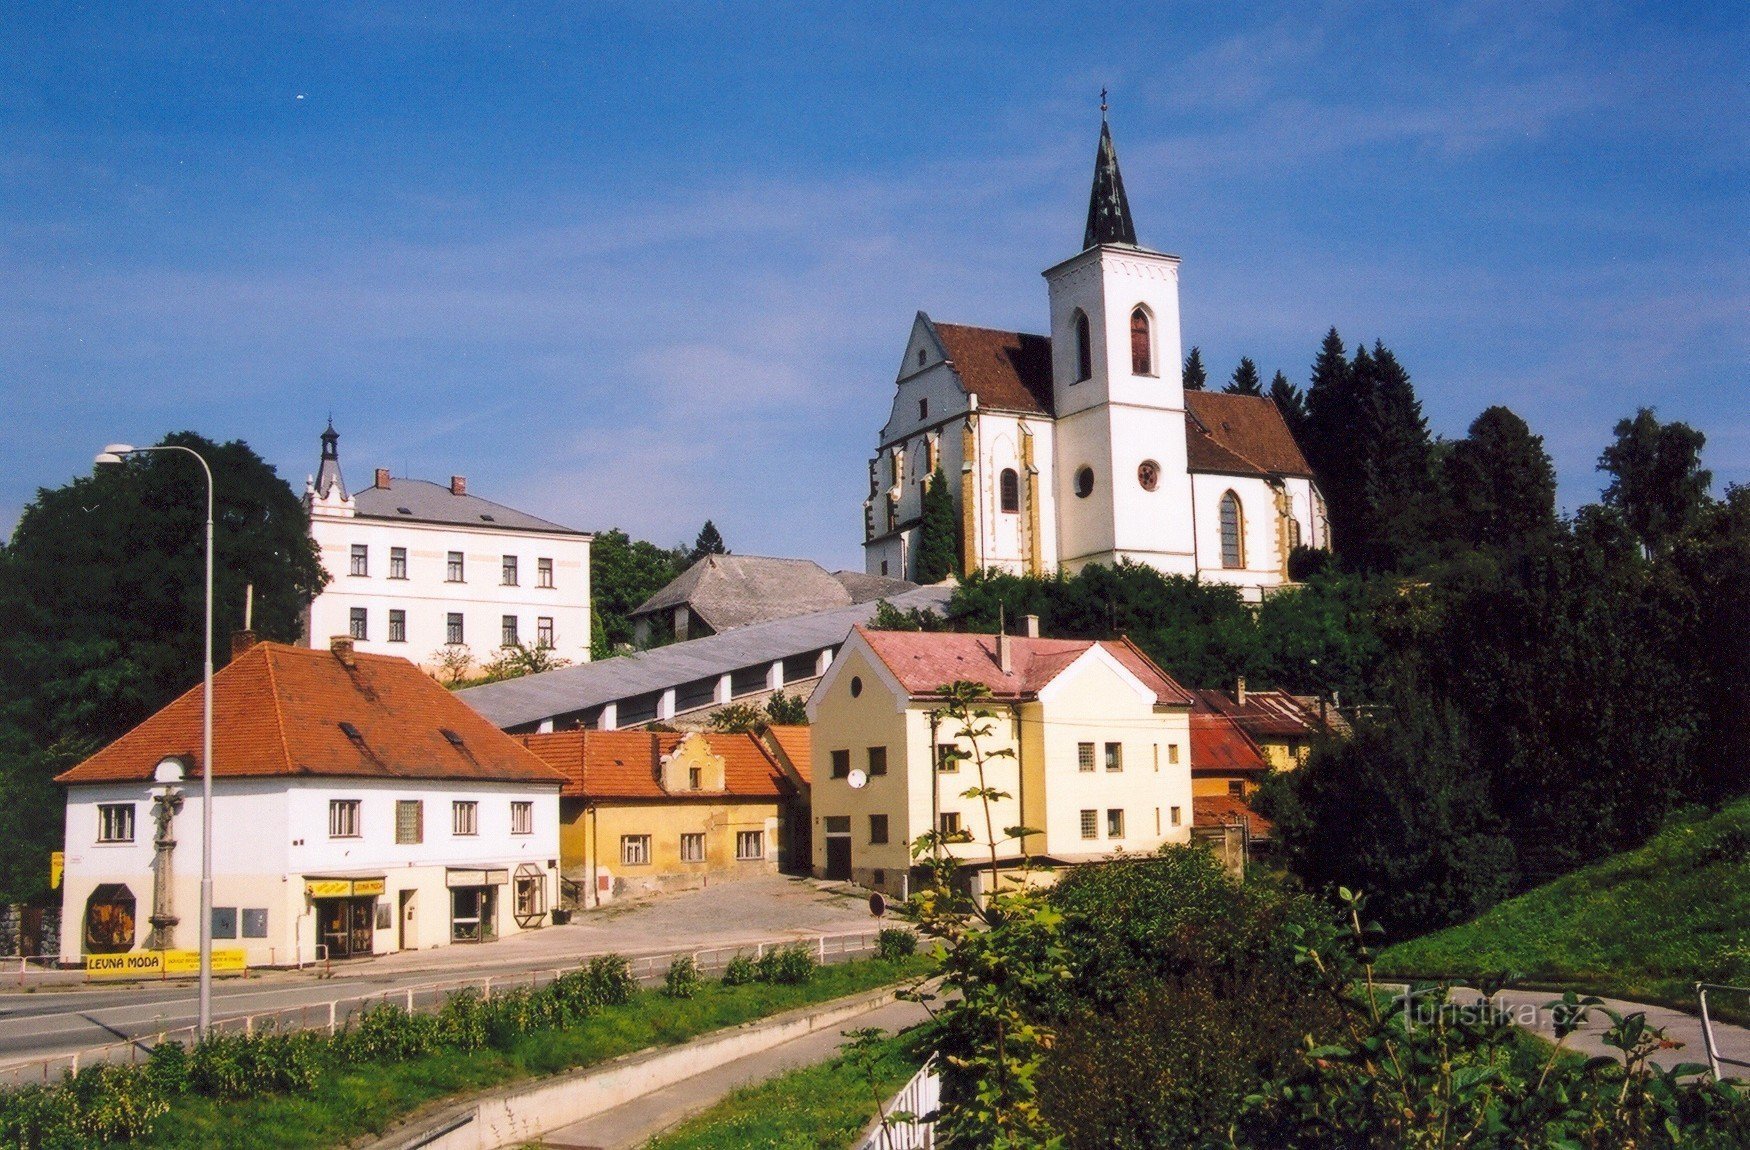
(421, 501)
(729, 591)
(533, 698)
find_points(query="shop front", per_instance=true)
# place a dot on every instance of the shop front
(345, 910)
(474, 897)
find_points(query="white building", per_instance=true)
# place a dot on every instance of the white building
(358, 808)
(1083, 446)
(417, 567)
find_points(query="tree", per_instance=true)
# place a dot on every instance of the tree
(519, 659)
(1656, 478)
(1292, 404)
(1196, 378)
(736, 719)
(938, 554)
(623, 573)
(1500, 483)
(1245, 379)
(1334, 427)
(1400, 504)
(787, 710)
(708, 542)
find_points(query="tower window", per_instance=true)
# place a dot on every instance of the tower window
(1233, 550)
(1084, 482)
(1084, 348)
(1009, 489)
(1141, 360)
(923, 409)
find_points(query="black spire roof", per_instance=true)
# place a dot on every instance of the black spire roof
(1109, 219)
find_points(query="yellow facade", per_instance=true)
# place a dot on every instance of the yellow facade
(594, 852)
(1146, 800)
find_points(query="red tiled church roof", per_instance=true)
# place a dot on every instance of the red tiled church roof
(628, 764)
(1009, 370)
(923, 662)
(1249, 428)
(278, 711)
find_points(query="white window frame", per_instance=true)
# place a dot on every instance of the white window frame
(359, 560)
(397, 562)
(455, 567)
(522, 817)
(750, 846)
(115, 822)
(345, 819)
(692, 846)
(634, 850)
(543, 572)
(465, 818)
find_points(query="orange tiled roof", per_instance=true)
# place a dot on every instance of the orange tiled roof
(1243, 433)
(1210, 811)
(925, 661)
(1010, 370)
(278, 710)
(1218, 746)
(797, 743)
(628, 764)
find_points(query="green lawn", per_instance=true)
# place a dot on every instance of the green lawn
(354, 1102)
(1646, 924)
(809, 1109)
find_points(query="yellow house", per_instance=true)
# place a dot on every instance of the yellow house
(643, 811)
(1098, 740)
(1283, 726)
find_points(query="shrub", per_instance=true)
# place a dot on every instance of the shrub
(387, 1033)
(40, 1118)
(237, 1066)
(167, 1069)
(510, 1015)
(682, 979)
(115, 1103)
(895, 943)
(740, 971)
(790, 965)
(462, 1021)
(610, 981)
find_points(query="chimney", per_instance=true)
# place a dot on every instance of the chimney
(1240, 690)
(1005, 656)
(341, 645)
(382, 479)
(1030, 626)
(458, 485)
(241, 641)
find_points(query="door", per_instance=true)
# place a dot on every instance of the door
(409, 920)
(331, 927)
(362, 935)
(838, 857)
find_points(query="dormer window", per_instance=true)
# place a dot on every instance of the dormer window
(1084, 348)
(1141, 357)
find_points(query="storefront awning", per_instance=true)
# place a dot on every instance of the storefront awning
(326, 886)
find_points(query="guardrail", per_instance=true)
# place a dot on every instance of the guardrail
(916, 1105)
(332, 1014)
(1714, 1058)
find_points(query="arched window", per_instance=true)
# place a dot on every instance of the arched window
(1084, 347)
(1233, 524)
(1141, 359)
(1293, 534)
(1009, 489)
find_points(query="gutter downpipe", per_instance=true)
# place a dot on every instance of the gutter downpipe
(595, 843)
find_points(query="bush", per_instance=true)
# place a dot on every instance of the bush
(895, 943)
(462, 1021)
(610, 981)
(788, 965)
(238, 1066)
(40, 1118)
(115, 1103)
(683, 979)
(740, 971)
(387, 1033)
(167, 1069)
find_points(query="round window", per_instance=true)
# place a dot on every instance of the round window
(856, 686)
(1148, 473)
(1084, 482)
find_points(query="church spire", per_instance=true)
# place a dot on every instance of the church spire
(328, 475)
(1109, 219)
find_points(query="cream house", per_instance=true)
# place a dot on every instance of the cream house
(1098, 741)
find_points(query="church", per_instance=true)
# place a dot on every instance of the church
(1083, 446)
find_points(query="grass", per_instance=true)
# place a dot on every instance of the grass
(818, 1106)
(354, 1102)
(1645, 925)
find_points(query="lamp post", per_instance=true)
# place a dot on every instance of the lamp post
(113, 454)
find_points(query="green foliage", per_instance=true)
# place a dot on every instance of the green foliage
(740, 971)
(737, 719)
(1501, 484)
(239, 1066)
(623, 573)
(938, 553)
(519, 659)
(787, 710)
(787, 965)
(709, 541)
(890, 618)
(1291, 402)
(683, 979)
(894, 943)
(1656, 478)
(1245, 380)
(1196, 377)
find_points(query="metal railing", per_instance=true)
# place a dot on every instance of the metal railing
(333, 1014)
(1714, 1058)
(908, 1121)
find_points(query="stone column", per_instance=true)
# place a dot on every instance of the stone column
(164, 919)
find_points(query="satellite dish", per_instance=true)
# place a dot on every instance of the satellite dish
(858, 779)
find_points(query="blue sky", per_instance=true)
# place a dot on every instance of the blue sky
(645, 264)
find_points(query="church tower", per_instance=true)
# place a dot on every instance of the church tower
(1122, 486)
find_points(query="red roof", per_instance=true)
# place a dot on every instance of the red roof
(285, 711)
(1245, 434)
(924, 662)
(1218, 746)
(797, 744)
(1210, 811)
(1264, 713)
(1005, 369)
(628, 764)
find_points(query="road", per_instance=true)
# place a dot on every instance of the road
(53, 1022)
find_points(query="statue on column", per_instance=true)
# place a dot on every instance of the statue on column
(164, 919)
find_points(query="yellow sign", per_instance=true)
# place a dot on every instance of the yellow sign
(161, 964)
(344, 887)
(363, 887)
(57, 867)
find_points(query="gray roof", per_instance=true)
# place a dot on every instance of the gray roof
(729, 591)
(421, 501)
(533, 698)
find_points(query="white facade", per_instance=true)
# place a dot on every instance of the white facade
(454, 571)
(275, 858)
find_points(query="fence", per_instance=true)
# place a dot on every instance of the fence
(332, 1014)
(1714, 1058)
(916, 1102)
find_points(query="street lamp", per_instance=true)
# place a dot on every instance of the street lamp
(113, 454)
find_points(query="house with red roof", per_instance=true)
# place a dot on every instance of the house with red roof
(1089, 740)
(358, 808)
(1082, 445)
(644, 811)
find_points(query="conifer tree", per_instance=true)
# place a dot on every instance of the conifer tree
(1400, 504)
(1500, 483)
(938, 553)
(1196, 379)
(1334, 425)
(1291, 402)
(708, 542)
(1245, 379)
